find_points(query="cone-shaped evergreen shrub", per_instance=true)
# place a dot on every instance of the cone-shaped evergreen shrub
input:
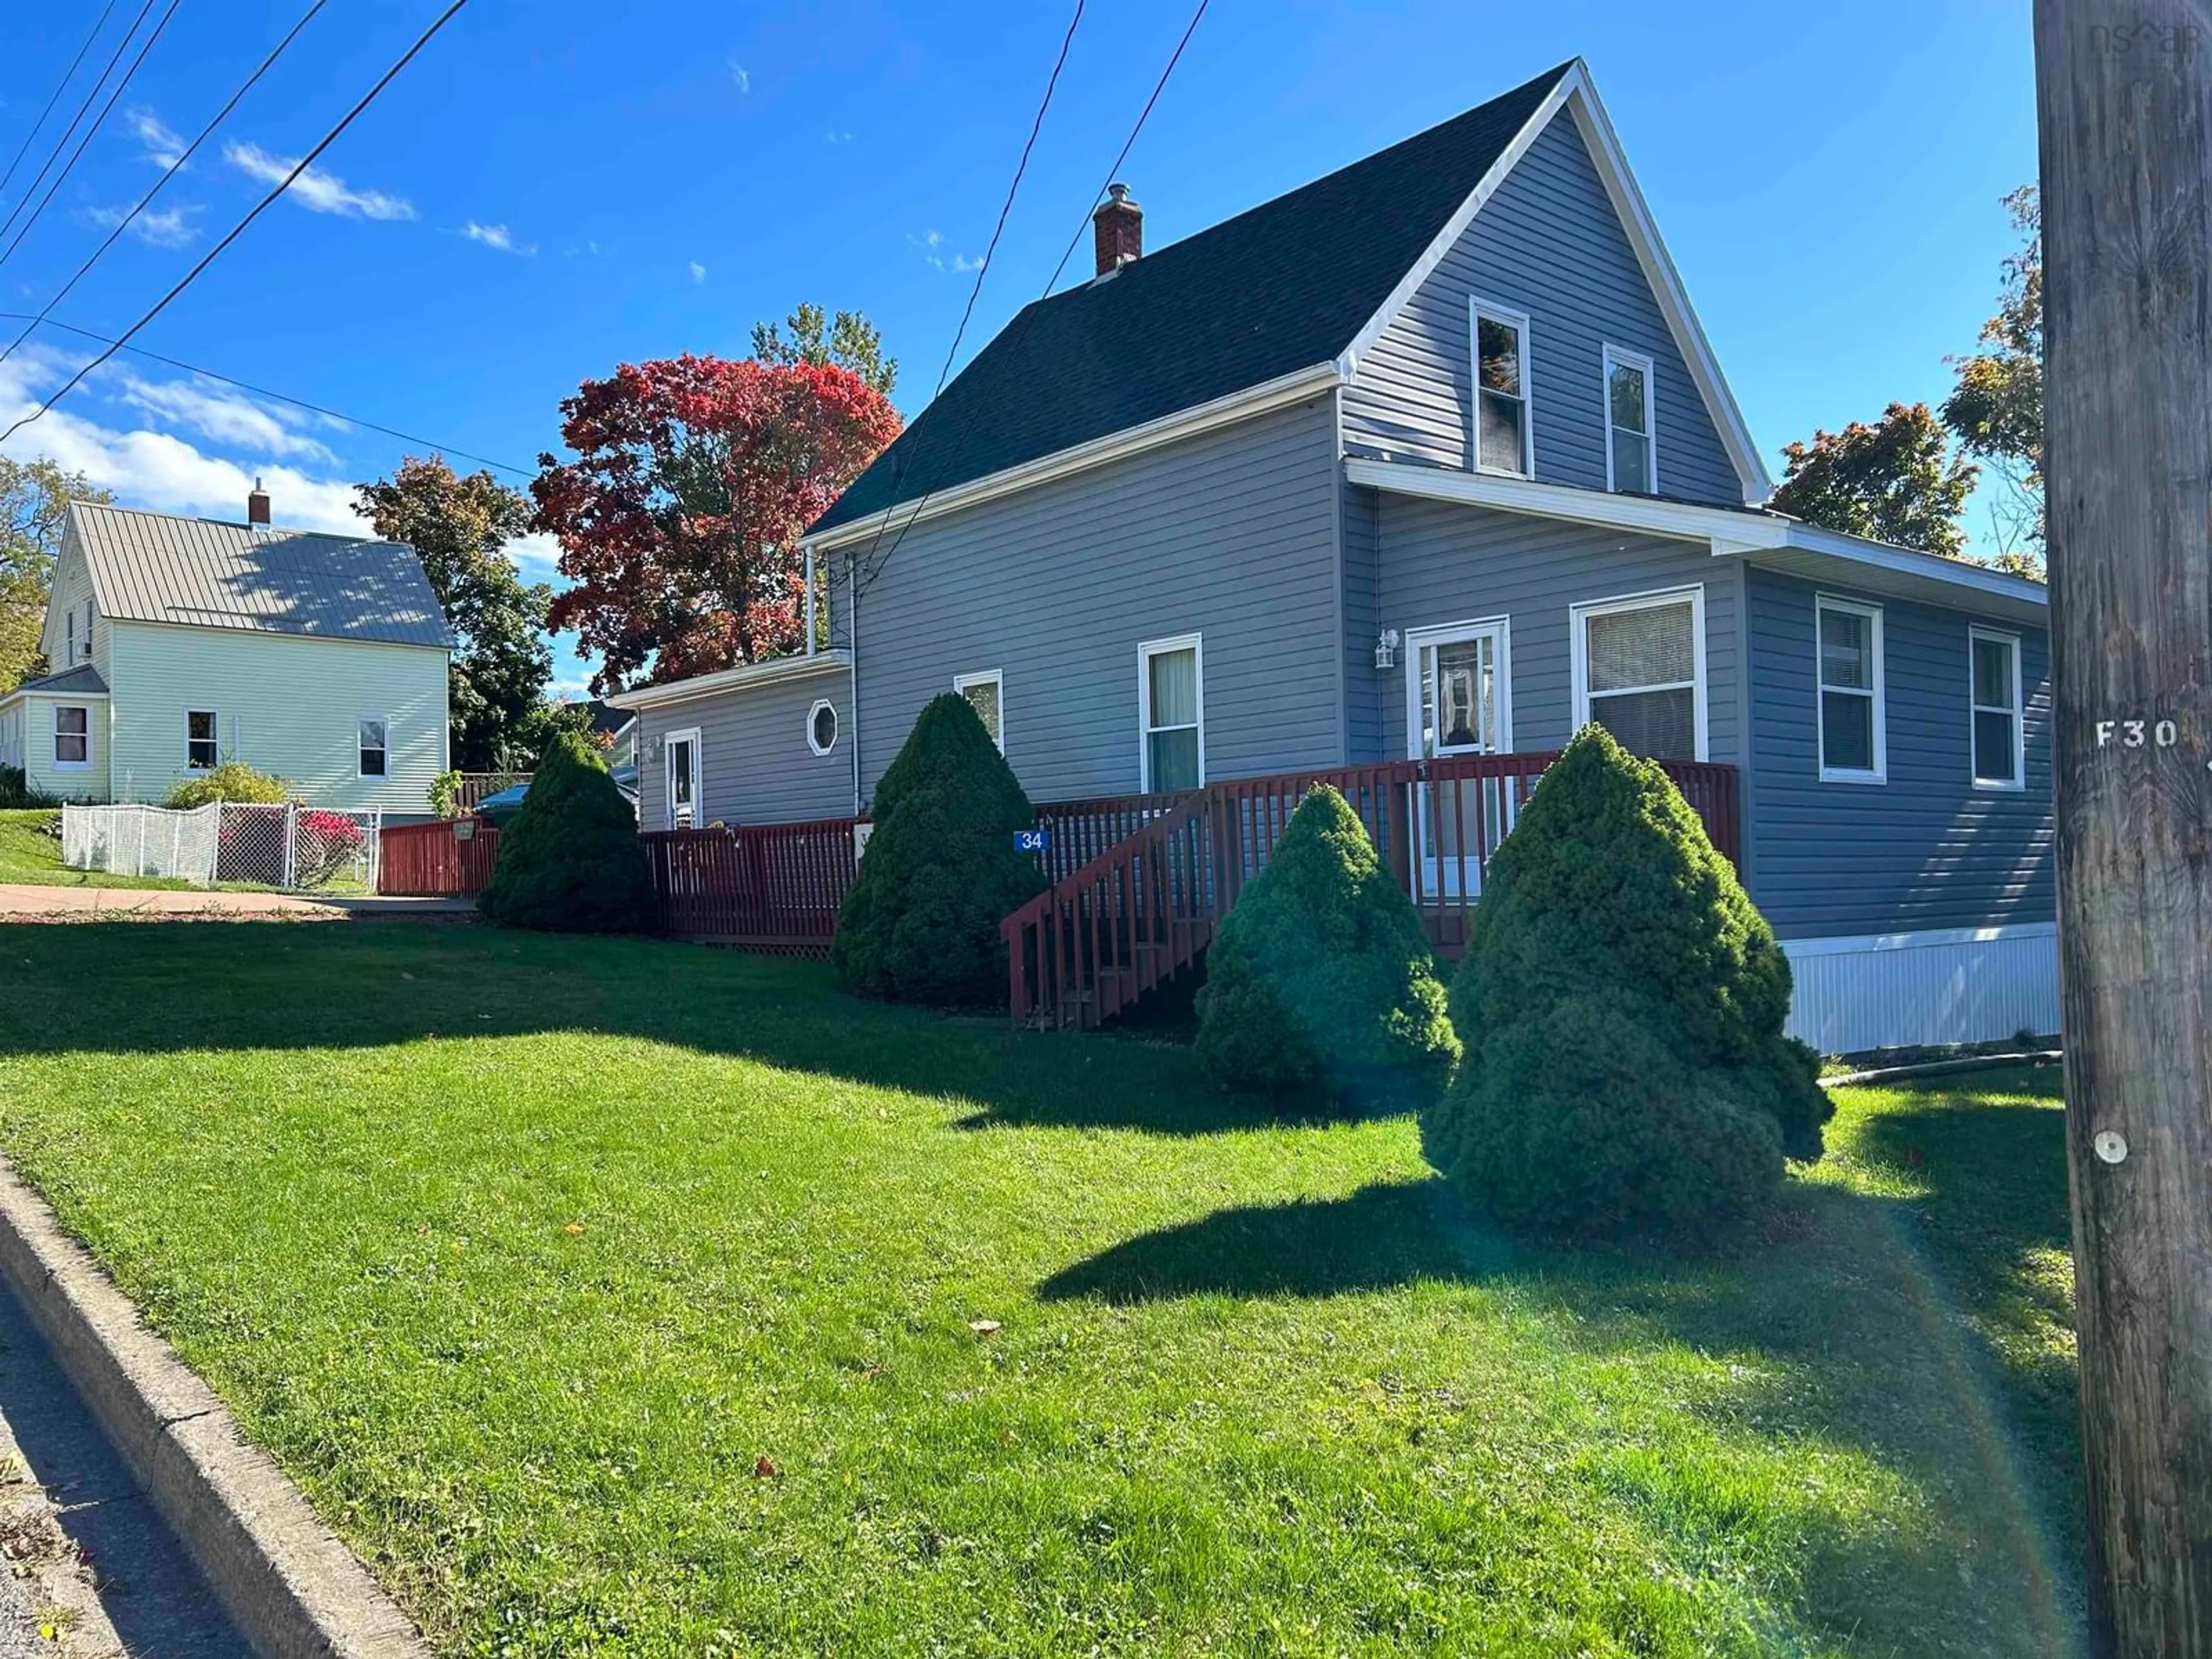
(571, 860)
(1321, 980)
(940, 873)
(1621, 1003)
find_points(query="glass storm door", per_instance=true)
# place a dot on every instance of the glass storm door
(683, 762)
(1459, 702)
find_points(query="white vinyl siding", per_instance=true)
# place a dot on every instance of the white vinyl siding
(1853, 736)
(1639, 671)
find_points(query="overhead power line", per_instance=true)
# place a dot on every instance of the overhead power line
(77, 155)
(167, 174)
(62, 143)
(60, 87)
(238, 229)
(982, 268)
(278, 397)
(1028, 314)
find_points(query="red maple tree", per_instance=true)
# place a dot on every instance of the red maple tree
(679, 520)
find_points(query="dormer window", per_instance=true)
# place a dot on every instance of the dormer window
(1504, 440)
(1631, 460)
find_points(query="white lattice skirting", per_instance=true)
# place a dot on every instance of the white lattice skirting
(1906, 990)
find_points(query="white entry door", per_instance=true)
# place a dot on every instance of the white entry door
(680, 751)
(1459, 700)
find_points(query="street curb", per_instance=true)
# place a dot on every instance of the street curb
(291, 1587)
(1941, 1067)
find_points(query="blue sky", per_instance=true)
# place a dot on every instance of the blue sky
(556, 187)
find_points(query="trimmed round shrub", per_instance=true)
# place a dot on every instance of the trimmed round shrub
(233, 780)
(1621, 1003)
(571, 861)
(1320, 980)
(921, 921)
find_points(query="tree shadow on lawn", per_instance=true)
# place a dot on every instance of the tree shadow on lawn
(1832, 1321)
(126, 988)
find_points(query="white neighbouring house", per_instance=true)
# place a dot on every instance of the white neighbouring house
(176, 643)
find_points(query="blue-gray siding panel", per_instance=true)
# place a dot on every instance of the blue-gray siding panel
(1230, 534)
(1365, 714)
(1445, 563)
(1926, 850)
(755, 765)
(1547, 243)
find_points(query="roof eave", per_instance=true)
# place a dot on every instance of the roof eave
(746, 677)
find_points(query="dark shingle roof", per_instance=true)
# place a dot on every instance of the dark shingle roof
(80, 680)
(1276, 290)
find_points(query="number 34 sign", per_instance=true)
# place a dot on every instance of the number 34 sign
(1032, 840)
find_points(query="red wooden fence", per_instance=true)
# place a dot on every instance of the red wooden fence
(764, 886)
(449, 859)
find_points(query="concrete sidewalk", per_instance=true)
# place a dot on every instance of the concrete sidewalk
(20, 902)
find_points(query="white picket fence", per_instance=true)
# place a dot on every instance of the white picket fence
(295, 847)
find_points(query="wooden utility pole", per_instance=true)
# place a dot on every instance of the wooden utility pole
(2125, 94)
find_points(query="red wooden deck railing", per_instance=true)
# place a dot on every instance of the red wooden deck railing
(763, 886)
(1139, 913)
(449, 859)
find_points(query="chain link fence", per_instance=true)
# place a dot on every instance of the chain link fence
(292, 847)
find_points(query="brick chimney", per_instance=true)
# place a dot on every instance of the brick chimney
(1119, 224)
(256, 506)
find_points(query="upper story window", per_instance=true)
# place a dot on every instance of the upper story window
(1999, 744)
(986, 691)
(1639, 670)
(1172, 714)
(1504, 440)
(1631, 459)
(69, 640)
(375, 755)
(72, 735)
(200, 742)
(1853, 744)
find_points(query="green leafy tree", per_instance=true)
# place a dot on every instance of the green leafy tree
(33, 496)
(233, 780)
(1621, 1003)
(1320, 980)
(1893, 482)
(460, 527)
(848, 342)
(921, 921)
(571, 861)
(1995, 408)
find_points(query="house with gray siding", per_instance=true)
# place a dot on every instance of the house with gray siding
(1427, 458)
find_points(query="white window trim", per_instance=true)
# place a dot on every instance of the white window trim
(1880, 693)
(2017, 711)
(686, 734)
(1452, 634)
(1578, 618)
(987, 677)
(384, 720)
(61, 765)
(819, 704)
(1195, 643)
(216, 717)
(1636, 360)
(1477, 309)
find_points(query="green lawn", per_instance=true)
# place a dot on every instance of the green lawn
(523, 1254)
(30, 856)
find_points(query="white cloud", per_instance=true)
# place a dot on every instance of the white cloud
(933, 244)
(538, 556)
(315, 190)
(836, 136)
(698, 271)
(215, 411)
(156, 226)
(164, 148)
(741, 75)
(496, 236)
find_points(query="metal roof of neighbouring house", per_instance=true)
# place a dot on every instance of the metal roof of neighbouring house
(82, 681)
(1283, 287)
(155, 567)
